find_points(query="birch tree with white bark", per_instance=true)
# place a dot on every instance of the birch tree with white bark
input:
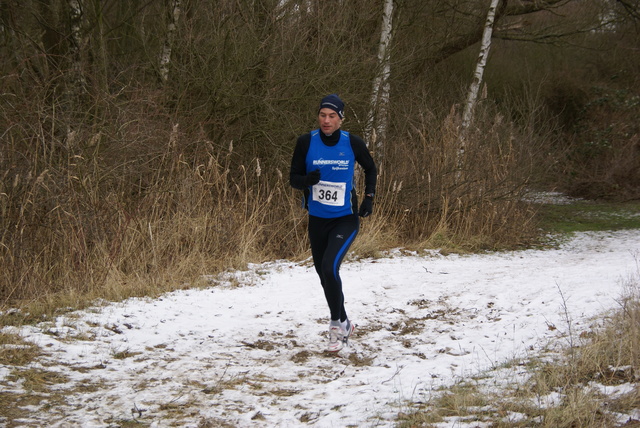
(472, 95)
(78, 82)
(165, 56)
(377, 119)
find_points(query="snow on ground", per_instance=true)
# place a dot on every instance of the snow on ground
(250, 353)
(555, 198)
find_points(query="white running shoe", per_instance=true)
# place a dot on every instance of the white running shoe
(346, 334)
(338, 336)
(335, 338)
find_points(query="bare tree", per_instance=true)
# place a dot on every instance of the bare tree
(376, 127)
(631, 7)
(456, 26)
(77, 83)
(165, 56)
(472, 95)
(485, 46)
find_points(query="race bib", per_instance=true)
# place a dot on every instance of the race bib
(328, 193)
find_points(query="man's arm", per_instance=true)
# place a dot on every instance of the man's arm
(298, 169)
(363, 157)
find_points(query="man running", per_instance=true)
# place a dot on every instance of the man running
(323, 166)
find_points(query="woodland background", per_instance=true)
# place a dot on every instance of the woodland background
(146, 143)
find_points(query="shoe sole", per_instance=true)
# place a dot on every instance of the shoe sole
(333, 351)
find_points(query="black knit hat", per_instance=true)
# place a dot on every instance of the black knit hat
(333, 102)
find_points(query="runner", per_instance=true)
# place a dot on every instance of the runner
(323, 166)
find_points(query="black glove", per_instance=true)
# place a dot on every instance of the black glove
(312, 178)
(366, 207)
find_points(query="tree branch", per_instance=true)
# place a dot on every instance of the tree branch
(506, 8)
(631, 7)
(524, 7)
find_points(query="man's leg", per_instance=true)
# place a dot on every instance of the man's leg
(339, 236)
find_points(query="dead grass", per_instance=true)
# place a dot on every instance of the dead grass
(15, 351)
(123, 355)
(17, 406)
(37, 389)
(203, 212)
(37, 380)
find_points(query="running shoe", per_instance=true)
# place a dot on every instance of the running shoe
(336, 337)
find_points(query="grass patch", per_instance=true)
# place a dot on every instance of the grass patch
(38, 380)
(15, 351)
(123, 355)
(19, 406)
(25, 388)
(585, 216)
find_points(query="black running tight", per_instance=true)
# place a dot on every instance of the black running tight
(330, 240)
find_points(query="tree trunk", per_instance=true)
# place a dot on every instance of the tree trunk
(472, 95)
(165, 57)
(100, 47)
(376, 127)
(77, 81)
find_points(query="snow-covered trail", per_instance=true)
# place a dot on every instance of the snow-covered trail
(251, 355)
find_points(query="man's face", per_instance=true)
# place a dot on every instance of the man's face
(329, 121)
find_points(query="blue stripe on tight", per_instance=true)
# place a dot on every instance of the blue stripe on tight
(342, 251)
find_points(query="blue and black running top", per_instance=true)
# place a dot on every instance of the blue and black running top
(331, 197)
(335, 156)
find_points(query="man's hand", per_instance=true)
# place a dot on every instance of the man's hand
(366, 207)
(312, 178)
